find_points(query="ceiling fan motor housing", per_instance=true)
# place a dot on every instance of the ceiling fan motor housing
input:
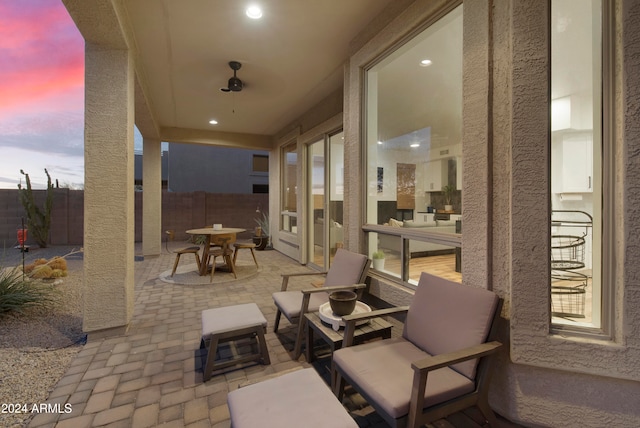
(235, 84)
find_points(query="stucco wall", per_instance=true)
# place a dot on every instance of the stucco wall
(195, 167)
(542, 379)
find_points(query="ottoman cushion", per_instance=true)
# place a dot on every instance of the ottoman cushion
(297, 399)
(231, 318)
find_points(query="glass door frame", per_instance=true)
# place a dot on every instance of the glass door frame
(328, 170)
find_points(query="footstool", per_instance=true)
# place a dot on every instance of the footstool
(229, 323)
(297, 399)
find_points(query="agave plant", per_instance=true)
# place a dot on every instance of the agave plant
(263, 223)
(17, 293)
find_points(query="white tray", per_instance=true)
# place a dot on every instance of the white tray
(326, 314)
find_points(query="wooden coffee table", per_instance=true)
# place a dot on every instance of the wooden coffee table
(375, 328)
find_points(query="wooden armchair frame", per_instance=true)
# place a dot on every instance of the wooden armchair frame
(306, 295)
(419, 415)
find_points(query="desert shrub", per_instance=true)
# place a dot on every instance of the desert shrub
(47, 269)
(58, 273)
(18, 293)
(41, 272)
(58, 263)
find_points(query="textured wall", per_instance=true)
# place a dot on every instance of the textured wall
(541, 379)
(152, 198)
(109, 192)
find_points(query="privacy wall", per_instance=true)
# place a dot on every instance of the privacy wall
(180, 211)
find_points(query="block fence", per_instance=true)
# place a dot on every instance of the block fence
(180, 211)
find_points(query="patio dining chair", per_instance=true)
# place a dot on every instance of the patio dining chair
(347, 272)
(195, 250)
(222, 249)
(439, 366)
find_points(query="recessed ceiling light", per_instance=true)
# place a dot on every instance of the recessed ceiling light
(425, 63)
(379, 142)
(254, 11)
(414, 145)
(213, 122)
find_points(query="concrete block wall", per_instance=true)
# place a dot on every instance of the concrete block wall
(180, 212)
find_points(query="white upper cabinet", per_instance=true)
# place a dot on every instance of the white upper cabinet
(435, 175)
(572, 162)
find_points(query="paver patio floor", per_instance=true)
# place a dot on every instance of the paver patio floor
(152, 375)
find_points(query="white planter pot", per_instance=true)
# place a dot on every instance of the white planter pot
(378, 264)
(448, 207)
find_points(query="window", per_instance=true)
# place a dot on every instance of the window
(576, 163)
(414, 154)
(260, 163)
(260, 188)
(289, 188)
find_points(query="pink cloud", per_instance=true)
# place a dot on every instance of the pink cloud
(42, 54)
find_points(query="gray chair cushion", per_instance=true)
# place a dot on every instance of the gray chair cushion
(289, 302)
(383, 370)
(346, 269)
(445, 316)
(297, 399)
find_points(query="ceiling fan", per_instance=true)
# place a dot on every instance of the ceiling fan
(235, 84)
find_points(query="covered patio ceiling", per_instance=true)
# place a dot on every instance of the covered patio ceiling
(292, 58)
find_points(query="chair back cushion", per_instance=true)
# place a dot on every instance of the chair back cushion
(445, 316)
(347, 268)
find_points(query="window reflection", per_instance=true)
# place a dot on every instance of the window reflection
(414, 152)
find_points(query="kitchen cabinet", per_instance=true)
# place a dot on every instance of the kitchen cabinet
(572, 162)
(435, 175)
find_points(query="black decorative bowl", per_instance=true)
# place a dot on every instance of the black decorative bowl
(343, 302)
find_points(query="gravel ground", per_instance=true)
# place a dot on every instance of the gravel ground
(37, 347)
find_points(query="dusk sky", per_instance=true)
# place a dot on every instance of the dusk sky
(41, 94)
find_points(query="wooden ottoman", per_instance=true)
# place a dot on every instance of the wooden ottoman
(229, 323)
(296, 399)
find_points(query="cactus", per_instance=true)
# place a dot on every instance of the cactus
(38, 220)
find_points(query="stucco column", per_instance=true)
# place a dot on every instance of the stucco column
(109, 191)
(151, 197)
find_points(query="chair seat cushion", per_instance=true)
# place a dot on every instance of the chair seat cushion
(296, 399)
(383, 370)
(289, 302)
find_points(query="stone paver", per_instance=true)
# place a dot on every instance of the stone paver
(152, 375)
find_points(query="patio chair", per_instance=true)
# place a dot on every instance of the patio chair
(347, 272)
(189, 250)
(224, 250)
(440, 365)
(245, 245)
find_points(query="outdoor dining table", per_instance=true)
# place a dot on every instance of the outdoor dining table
(208, 232)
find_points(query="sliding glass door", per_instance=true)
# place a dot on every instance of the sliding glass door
(325, 197)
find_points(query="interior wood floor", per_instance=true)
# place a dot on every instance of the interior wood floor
(443, 266)
(577, 303)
